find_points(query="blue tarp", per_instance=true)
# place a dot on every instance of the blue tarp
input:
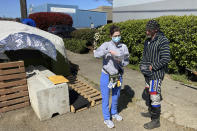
(24, 40)
(29, 21)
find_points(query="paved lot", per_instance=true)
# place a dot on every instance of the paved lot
(179, 107)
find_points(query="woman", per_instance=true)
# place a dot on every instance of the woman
(115, 55)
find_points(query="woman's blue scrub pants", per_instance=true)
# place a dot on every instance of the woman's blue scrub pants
(105, 92)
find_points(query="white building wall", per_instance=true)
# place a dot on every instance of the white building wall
(152, 9)
(119, 17)
(120, 3)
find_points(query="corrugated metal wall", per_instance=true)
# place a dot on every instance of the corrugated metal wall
(153, 9)
(85, 18)
(40, 8)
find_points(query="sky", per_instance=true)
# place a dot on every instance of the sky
(11, 8)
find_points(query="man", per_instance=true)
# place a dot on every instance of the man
(154, 62)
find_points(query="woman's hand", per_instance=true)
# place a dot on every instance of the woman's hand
(116, 58)
(112, 52)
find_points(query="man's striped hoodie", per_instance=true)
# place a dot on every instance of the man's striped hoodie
(157, 53)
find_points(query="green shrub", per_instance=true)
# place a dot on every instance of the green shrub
(180, 30)
(75, 45)
(84, 34)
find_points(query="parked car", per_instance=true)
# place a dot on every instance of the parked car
(61, 30)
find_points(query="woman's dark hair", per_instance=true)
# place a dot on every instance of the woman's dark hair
(113, 29)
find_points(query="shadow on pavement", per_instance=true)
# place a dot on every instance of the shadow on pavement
(126, 96)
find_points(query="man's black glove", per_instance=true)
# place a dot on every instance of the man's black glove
(144, 68)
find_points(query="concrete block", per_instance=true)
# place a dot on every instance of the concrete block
(45, 97)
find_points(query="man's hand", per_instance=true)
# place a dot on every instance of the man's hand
(150, 68)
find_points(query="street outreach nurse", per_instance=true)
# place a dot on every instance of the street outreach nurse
(115, 55)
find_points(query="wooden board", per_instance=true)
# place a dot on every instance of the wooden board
(14, 107)
(12, 64)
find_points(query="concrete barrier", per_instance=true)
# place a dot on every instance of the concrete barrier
(46, 98)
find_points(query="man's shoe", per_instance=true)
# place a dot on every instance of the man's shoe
(147, 114)
(109, 123)
(117, 117)
(155, 123)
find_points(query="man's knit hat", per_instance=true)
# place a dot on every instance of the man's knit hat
(152, 25)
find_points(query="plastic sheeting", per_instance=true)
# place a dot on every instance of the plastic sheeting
(11, 27)
(24, 40)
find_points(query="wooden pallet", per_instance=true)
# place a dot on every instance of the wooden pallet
(88, 92)
(13, 86)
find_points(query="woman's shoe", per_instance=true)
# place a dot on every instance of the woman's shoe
(117, 117)
(109, 123)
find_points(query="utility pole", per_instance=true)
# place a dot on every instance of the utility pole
(23, 5)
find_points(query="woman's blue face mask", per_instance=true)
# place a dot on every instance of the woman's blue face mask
(116, 39)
